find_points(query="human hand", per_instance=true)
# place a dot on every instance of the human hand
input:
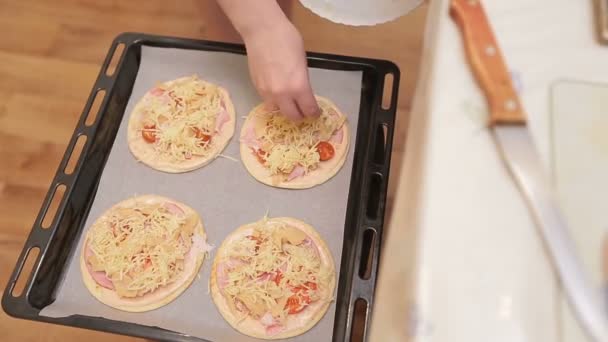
(279, 72)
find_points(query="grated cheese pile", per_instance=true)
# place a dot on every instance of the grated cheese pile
(141, 249)
(178, 113)
(287, 144)
(273, 264)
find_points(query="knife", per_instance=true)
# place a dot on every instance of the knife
(515, 144)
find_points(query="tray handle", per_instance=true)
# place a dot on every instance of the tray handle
(40, 236)
(372, 208)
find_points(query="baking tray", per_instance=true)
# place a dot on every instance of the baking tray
(365, 207)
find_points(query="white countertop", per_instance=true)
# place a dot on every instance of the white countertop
(462, 259)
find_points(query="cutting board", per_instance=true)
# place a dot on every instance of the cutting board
(579, 140)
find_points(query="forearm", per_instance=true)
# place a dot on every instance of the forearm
(251, 16)
(275, 54)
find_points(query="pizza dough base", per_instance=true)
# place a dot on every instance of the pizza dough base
(144, 152)
(295, 324)
(324, 172)
(156, 299)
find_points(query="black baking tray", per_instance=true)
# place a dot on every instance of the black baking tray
(365, 208)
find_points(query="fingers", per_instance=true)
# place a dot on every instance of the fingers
(296, 105)
(284, 104)
(288, 108)
(270, 106)
(293, 97)
(306, 102)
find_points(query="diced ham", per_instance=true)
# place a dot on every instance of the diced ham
(273, 326)
(222, 118)
(100, 277)
(234, 262)
(222, 276)
(310, 244)
(222, 271)
(274, 329)
(297, 171)
(174, 208)
(240, 306)
(267, 320)
(250, 139)
(157, 91)
(87, 252)
(264, 277)
(338, 136)
(199, 244)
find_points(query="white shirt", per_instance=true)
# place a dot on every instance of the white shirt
(360, 12)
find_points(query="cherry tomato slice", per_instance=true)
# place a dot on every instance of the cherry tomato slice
(309, 285)
(261, 155)
(326, 151)
(278, 277)
(296, 304)
(198, 133)
(148, 133)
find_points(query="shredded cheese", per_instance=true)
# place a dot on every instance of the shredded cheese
(286, 144)
(273, 264)
(228, 157)
(142, 248)
(180, 114)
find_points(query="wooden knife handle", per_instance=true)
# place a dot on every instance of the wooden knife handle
(487, 62)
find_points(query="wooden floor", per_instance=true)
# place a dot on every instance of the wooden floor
(50, 53)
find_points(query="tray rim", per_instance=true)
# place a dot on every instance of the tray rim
(355, 287)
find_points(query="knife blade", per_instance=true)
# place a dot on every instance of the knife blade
(515, 144)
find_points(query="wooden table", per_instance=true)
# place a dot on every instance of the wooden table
(50, 54)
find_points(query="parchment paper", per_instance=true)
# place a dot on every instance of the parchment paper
(223, 193)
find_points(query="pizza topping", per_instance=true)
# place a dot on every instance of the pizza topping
(200, 245)
(297, 303)
(222, 268)
(174, 209)
(250, 139)
(180, 119)
(290, 144)
(201, 136)
(337, 137)
(267, 320)
(100, 277)
(149, 133)
(260, 155)
(274, 329)
(222, 118)
(278, 273)
(156, 91)
(288, 234)
(142, 248)
(297, 171)
(326, 151)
